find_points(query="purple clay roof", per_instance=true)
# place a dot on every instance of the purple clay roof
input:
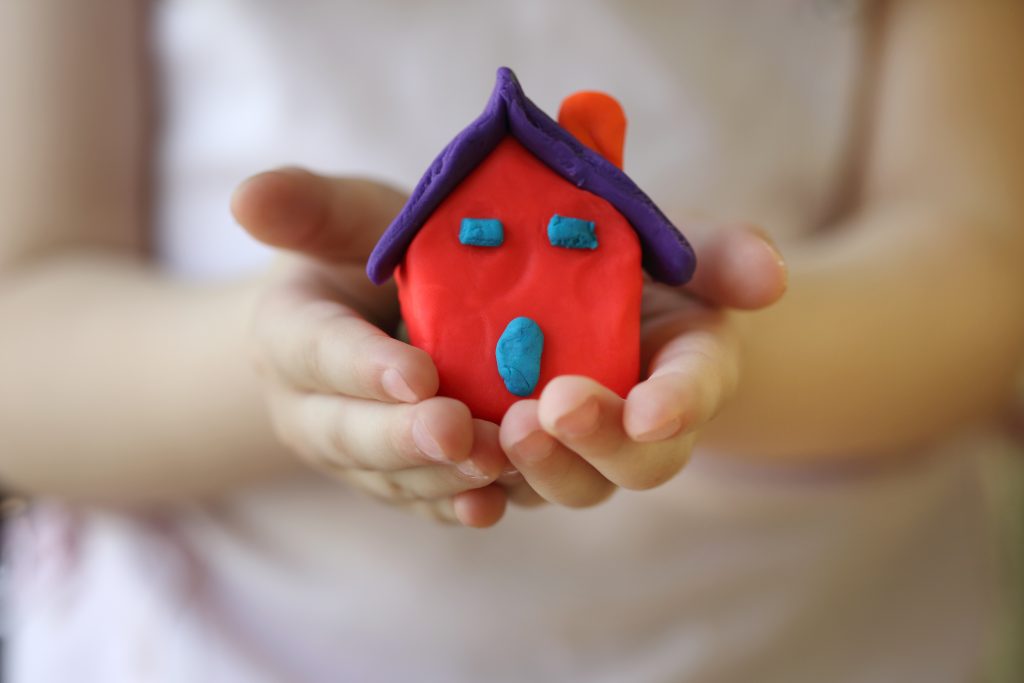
(667, 256)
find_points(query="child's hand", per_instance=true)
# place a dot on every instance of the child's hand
(343, 395)
(580, 441)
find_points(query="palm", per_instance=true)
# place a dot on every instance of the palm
(667, 313)
(347, 284)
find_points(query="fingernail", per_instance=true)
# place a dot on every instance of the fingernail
(426, 442)
(664, 431)
(510, 475)
(534, 448)
(470, 469)
(580, 421)
(773, 248)
(396, 386)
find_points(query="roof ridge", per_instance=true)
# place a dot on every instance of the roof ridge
(667, 255)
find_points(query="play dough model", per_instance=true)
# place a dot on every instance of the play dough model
(519, 256)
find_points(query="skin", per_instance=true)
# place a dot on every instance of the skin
(316, 318)
(915, 288)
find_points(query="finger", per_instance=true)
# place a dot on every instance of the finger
(557, 474)
(517, 489)
(480, 508)
(483, 466)
(738, 266)
(692, 376)
(587, 418)
(523, 495)
(332, 219)
(441, 510)
(320, 345)
(336, 433)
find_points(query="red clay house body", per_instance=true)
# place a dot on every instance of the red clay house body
(519, 221)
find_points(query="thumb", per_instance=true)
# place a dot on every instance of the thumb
(331, 219)
(738, 266)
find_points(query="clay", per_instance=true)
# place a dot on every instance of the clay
(518, 355)
(520, 254)
(571, 233)
(481, 232)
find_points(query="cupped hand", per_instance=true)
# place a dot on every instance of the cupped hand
(580, 442)
(343, 395)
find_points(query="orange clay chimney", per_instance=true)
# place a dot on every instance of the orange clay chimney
(598, 121)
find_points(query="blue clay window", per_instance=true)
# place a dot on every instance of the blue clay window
(481, 232)
(571, 233)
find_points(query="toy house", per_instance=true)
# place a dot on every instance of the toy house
(520, 254)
